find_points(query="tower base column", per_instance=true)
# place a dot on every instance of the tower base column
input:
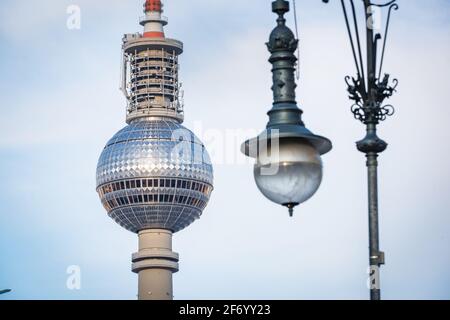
(155, 263)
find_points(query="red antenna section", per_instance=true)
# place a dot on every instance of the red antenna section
(153, 21)
(153, 5)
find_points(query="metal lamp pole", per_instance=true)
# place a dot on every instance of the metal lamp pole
(369, 94)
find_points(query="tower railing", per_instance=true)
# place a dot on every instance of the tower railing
(151, 83)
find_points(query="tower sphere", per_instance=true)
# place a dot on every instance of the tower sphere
(154, 174)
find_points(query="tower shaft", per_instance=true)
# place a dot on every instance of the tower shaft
(155, 264)
(154, 177)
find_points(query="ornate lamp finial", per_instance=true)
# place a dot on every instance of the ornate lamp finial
(280, 7)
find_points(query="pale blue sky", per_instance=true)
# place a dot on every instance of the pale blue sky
(60, 104)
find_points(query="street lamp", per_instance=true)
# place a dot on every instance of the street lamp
(288, 169)
(5, 291)
(369, 95)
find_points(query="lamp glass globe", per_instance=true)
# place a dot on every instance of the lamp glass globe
(290, 173)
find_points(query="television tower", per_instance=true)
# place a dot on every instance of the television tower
(154, 177)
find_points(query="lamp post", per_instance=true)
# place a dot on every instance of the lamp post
(5, 291)
(368, 94)
(288, 169)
